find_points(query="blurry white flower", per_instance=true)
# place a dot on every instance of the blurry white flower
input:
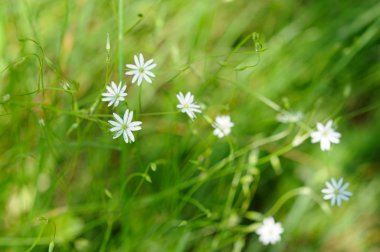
(43, 182)
(21, 201)
(115, 94)
(82, 244)
(222, 126)
(269, 231)
(336, 192)
(41, 121)
(6, 97)
(289, 117)
(141, 70)
(124, 126)
(325, 135)
(187, 106)
(66, 86)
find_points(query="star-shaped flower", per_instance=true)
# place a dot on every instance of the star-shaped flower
(141, 70)
(326, 135)
(336, 192)
(222, 126)
(269, 231)
(124, 126)
(115, 94)
(186, 105)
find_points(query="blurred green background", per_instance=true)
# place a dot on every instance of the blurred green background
(178, 187)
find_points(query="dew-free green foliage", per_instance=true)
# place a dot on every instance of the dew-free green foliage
(66, 185)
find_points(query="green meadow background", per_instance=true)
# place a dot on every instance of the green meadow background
(65, 182)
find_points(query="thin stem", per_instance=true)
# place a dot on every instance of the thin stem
(107, 236)
(120, 38)
(287, 196)
(140, 94)
(36, 241)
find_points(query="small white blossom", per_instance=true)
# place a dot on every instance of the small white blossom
(222, 126)
(6, 97)
(141, 70)
(124, 126)
(41, 121)
(336, 192)
(269, 231)
(186, 105)
(115, 94)
(21, 201)
(66, 86)
(43, 182)
(325, 135)
(289, 117)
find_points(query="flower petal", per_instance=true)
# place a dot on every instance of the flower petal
(131, 66)
(146, 77)
(137, 63)
(125, 136)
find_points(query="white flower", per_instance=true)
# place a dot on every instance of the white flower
(141, 70)
(115, 94)
(336, 192)
(325, 135)
(66, 86)
(269, 231)
(41, 121)
(6, 97)
(124, 126)
(21, 201)
(289, 117)
(222, 126)
(187, 106)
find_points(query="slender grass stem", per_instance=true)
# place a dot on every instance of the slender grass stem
(140, 102)
(120, 38)
(107, 236)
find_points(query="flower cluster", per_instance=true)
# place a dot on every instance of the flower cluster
(222, 125)
(269, 231)
(124, 126)
(336, 192)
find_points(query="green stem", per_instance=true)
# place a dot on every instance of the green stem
(140, 94)
(287, 196)
(120, 38)
(38, 238)
(107, 236)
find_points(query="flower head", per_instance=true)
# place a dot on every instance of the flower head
(326, 135)
(124, 126)
(222, 126)
(269, 231)
(115, 94)
(289, 117)
(336, 192)
(141, 70)
(187, 106)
